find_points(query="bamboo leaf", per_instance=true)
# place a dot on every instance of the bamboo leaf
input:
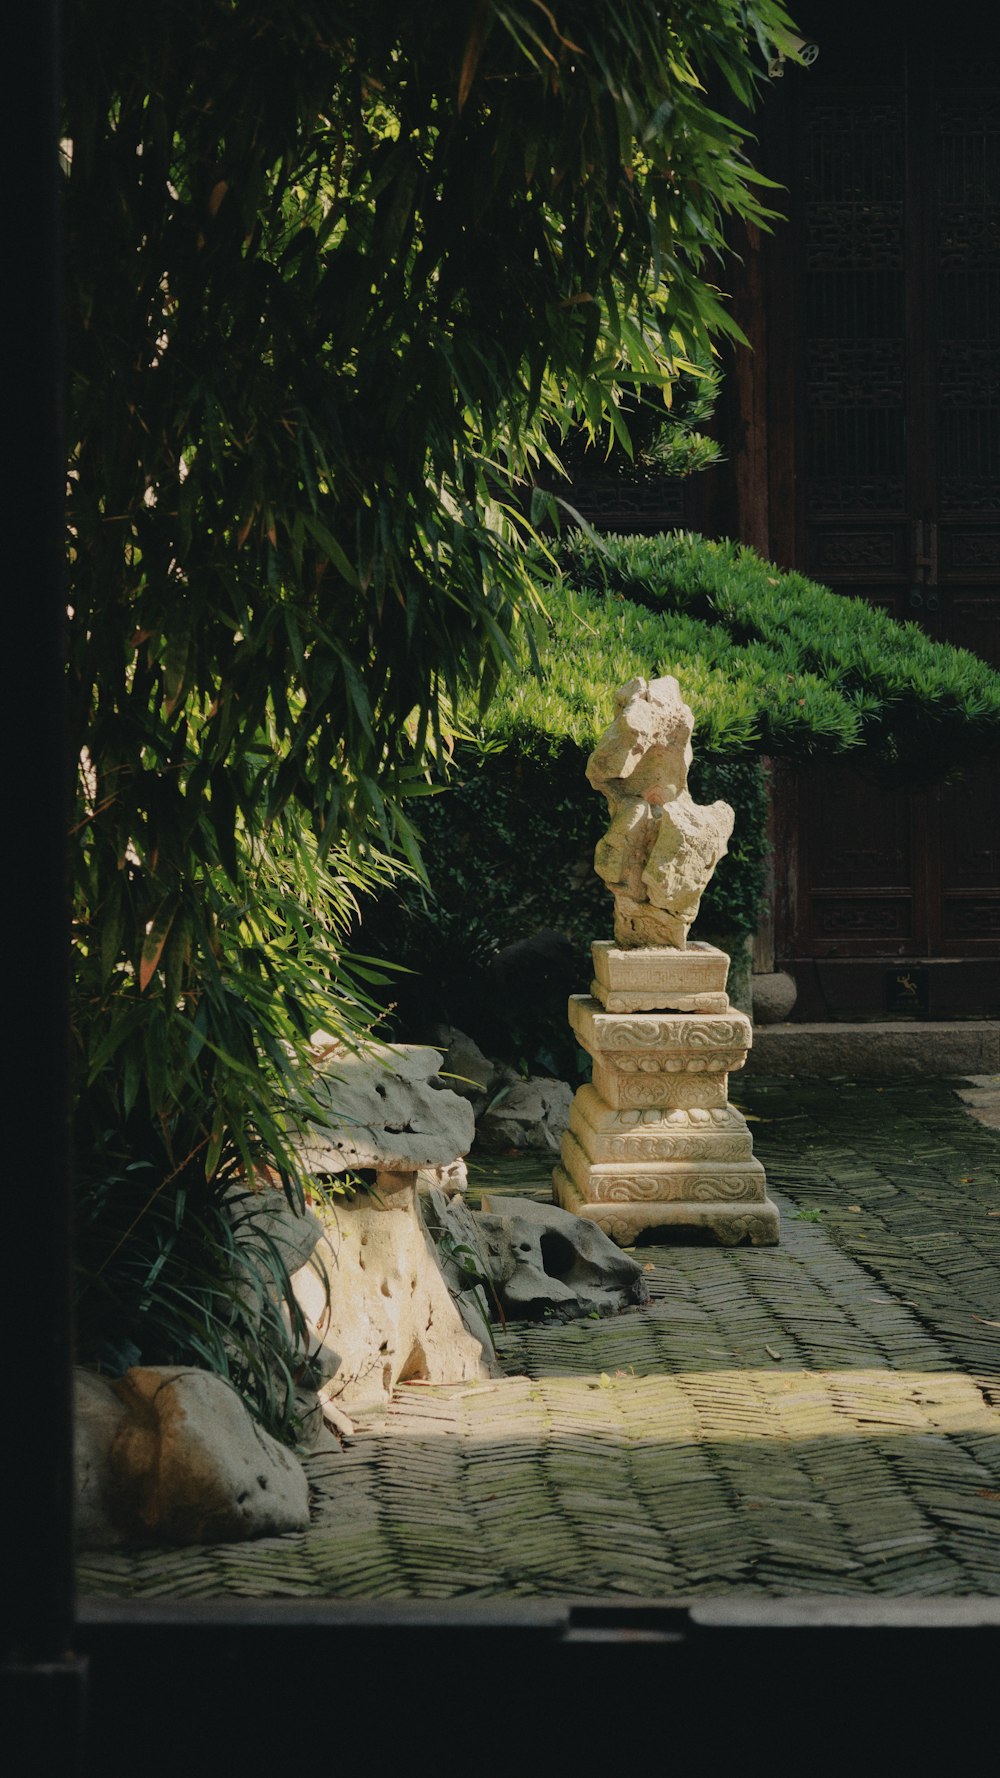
(156, 937)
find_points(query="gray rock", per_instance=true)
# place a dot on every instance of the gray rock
(774, 996)
(546, 1260)
(531, 1114)
(98, 1416)
(179, 1460)
(316, 1434)
(464, 1262)
(263, 1220)
(465, 1070)
(385, 1110)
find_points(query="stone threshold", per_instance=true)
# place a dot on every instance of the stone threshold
(880, 1048)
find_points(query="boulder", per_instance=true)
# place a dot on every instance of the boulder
(263, 1219)
(545, 1261)
(774, 996)
(465, 1070)
(172, 1455)
(98, 1416)
(464, 1261)
(530, 1114)
(536, 1259)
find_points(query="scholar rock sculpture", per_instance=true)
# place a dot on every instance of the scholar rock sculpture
(661, 848)
(654, 1141)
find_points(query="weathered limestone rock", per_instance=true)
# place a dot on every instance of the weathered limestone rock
(390, 1317)
(654, 1142)
(263, 1220)
(172, 1455)
(453, 1179)
(465, 1069)
(464, 1263)
(98, 1415)
(534, 1260)
(661, 848)
(376, 1307)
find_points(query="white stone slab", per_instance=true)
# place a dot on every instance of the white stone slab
(698, 968)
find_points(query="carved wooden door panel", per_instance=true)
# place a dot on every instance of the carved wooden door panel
(885, 431)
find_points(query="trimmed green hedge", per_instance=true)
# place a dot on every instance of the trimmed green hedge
(770, 662)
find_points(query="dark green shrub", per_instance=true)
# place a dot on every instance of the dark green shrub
(510, 852)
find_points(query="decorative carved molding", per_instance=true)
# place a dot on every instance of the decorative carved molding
(857, 549)
(707, 1188)
(662, 1091)
(872, 919)
(863, 864)
(722, 1061)
(972, 919)
(854, 493)
(971, 549)
(711, 1032)
(854, 373)
(968, 493)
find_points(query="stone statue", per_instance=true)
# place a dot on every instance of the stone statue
(661, 848)
(653, 1141)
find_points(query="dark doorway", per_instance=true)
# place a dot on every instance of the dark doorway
(882, 340)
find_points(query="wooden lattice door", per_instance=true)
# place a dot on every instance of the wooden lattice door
(884, 353)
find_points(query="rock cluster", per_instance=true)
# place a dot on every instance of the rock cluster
(393, 1281)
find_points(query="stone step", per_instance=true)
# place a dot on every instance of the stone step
(885, 1048)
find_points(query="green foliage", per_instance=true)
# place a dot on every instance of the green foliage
(190, 1049)
(356, 272)
(339, 281)
(173, 1272)
(770, 662)
(662, 441)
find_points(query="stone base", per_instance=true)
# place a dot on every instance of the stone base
(654, 1141)
(756, 1223)
(653, 978)
(662, 1181)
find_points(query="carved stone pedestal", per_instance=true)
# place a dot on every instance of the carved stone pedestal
(654, 1141)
